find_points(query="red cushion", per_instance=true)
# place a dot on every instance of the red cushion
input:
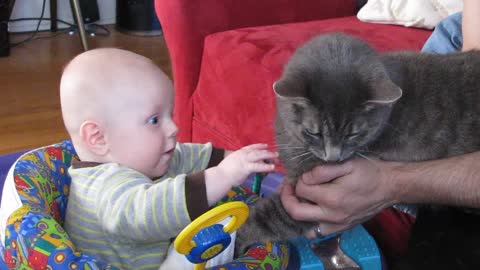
(391, 229)
(234, 104)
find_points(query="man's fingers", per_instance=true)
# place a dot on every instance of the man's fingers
(286, 189)
(320, 194)
(325, 173)
(325, 229)
(297, 209)
(329, 228)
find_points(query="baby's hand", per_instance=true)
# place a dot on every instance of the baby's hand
(238, 165)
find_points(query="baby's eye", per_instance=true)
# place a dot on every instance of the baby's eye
(153, 120)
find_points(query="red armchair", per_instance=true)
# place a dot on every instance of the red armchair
(187, 23)
(227, 53)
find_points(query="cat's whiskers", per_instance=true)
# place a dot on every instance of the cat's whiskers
(367, 158)
(286, 144)
(298, 156)
(290, 147)
(306, 159)
(368, 151)
(283, 144)
(271, 146)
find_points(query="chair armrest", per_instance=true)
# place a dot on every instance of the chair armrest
(186, 23)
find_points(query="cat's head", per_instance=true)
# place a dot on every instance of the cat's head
(333, 99)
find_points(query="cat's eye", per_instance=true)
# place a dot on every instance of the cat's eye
(312, 133)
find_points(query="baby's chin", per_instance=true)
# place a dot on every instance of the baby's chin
(157, 174)
(161, 168)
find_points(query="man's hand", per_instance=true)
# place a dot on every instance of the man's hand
(340, 196)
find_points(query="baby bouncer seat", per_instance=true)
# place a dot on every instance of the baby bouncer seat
(35, 238)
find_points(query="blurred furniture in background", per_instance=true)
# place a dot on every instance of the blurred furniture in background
(6, 7)
(137, 18)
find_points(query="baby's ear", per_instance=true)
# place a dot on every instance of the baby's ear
(93, 138)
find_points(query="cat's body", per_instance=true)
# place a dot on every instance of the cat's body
(426, 125)
(337, 99)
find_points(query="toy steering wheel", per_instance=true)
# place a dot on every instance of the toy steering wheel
(204, 239)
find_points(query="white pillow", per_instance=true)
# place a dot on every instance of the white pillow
(410, 13)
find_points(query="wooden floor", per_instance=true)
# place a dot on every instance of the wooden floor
(29, 78)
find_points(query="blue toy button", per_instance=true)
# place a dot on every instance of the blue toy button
(209, 242)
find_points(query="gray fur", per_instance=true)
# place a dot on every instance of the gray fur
(338, 99)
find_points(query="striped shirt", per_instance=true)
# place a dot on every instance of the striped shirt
(124, 218)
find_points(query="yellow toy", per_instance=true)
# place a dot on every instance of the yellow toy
(204, 239)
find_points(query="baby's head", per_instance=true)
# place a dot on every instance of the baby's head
(117, 107)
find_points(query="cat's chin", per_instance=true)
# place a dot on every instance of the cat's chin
(294, 171)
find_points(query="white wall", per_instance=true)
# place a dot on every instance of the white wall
(32, 8)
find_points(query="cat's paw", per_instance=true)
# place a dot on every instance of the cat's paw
(243, 242)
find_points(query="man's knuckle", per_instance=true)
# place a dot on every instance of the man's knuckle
(342, 219)
(330, 199)
(337, 218)
(294, 213)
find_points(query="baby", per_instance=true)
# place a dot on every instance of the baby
(135, 187)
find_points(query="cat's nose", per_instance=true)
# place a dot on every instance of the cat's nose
(333, 154)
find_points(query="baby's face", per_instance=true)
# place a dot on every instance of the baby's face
(143, 134)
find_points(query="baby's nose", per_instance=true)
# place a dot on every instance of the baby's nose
(172, 130)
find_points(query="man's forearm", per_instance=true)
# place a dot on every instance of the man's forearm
(470, 23)
(452, 181)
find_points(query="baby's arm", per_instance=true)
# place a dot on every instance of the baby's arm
(134, 209)
(235, 169)
(227, 152)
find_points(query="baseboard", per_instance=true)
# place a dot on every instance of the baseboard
(32, 9)
(28, 26)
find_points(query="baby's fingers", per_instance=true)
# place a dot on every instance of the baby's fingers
(261, 155)
(261, 167)
(258, 146)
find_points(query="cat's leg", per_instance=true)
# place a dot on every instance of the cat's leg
(268, 221)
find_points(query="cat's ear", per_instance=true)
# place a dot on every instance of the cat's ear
(285, 90)
(385, 92)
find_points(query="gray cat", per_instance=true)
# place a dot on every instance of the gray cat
(337, 99)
